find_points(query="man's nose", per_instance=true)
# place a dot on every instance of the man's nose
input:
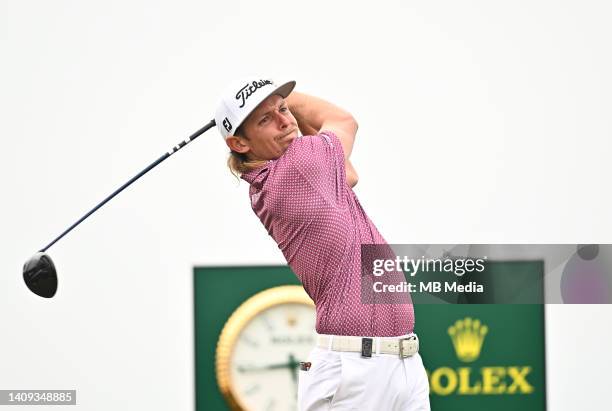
(282, 120)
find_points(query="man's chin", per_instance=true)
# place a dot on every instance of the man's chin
(290, 136)
(286, 140)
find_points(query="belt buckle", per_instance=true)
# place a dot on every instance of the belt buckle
(412, 348)
(366, 347)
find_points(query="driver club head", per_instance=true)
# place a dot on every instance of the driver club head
(40, 276)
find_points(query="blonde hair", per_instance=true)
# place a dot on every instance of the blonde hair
(239, 163)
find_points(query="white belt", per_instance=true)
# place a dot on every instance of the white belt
(402, 346)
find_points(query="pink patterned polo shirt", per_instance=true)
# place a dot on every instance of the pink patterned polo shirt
(304, 202)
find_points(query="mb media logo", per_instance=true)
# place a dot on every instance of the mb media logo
(467, 337)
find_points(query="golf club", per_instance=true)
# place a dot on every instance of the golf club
(39, 271)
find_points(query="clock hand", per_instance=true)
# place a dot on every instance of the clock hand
(263, 368)
(294, 373)
(293, 366)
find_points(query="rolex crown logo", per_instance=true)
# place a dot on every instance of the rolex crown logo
(467, 335)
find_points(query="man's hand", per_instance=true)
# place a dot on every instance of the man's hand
(314, 115)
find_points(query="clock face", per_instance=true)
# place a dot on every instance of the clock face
(261, 346)
(264, 364)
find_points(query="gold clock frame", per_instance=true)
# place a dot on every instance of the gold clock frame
(285, 294)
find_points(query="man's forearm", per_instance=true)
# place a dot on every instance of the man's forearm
(301, 106)
(313, 113)
(305, 127)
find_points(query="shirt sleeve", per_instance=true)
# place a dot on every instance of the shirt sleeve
(320, 161)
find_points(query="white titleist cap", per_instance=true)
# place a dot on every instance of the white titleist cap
(242, 97)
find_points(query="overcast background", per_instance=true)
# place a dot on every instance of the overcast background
(480, 122)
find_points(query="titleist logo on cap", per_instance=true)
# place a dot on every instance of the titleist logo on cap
(247, 91)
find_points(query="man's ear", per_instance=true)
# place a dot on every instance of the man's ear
(237, 144)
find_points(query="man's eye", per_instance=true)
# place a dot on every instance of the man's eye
(283, 109)
(263, 120)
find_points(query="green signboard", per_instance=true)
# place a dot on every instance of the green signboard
(483, 357)
(478, 356)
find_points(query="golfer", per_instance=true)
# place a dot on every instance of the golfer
(366, 356)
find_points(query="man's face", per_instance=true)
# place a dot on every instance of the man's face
(268, 130)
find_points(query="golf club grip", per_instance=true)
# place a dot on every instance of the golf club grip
(136, 177)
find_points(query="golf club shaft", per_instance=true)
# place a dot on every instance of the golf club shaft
(136, 177)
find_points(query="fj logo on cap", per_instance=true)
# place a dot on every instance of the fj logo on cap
(227, 124)
(247, 91)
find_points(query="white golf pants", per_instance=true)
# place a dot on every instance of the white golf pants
(346, 381)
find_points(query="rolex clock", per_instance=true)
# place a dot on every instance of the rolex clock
(261, 346)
